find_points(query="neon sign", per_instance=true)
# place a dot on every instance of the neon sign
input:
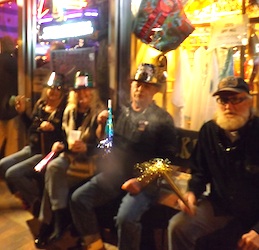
(67, 30)
(58, 7)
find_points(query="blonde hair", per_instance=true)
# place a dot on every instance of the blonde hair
(44, 98)
(95, 104)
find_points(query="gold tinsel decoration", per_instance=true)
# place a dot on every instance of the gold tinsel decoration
(155, 168)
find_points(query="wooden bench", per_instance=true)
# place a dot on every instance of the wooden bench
(154, 221)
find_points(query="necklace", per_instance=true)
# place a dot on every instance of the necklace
(228, 148)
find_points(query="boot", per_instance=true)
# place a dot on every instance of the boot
(62, 221)
(41, 240)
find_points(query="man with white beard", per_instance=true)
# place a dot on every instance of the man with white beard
(227, 158)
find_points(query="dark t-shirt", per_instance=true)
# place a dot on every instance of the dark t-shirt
(139, 137)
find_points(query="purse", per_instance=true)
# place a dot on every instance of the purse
(82, 169)
(162, 24)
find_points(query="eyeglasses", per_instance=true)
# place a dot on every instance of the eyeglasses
(233, 100)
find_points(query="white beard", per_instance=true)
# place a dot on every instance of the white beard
(231, 123)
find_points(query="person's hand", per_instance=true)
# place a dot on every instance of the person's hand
(20, 103)
(133, 186)
(190, 199)
(46, 126)
(102, 117)
(78, 147)
(249, 241)
(57, 147)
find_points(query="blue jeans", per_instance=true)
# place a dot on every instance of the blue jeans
(100, 191)
(56, 183)
(55, 195)
(18, 171)
(85, 199)
(128, 218)
(184, 230)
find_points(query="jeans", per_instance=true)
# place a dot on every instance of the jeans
(20, 175)
(58, 186)
(100, 191)
(128, 219)
(55, 193)
(85, 199)
(184, 230)
(56, 183)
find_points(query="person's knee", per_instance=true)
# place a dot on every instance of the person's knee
(77, 201)
(125, 217)
(54, 168)
(174, 228)
(121, 219)
(4, 166)
(12, 175)
(3, 170)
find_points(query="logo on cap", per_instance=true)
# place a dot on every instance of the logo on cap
(229, 82)
(232, 84)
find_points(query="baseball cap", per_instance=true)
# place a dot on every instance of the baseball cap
(232, 84)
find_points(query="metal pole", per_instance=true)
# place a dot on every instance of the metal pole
(26, 48)
(26, 45)
(124, 50)
(242, 48)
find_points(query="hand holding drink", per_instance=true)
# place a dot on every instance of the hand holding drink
(73, 136)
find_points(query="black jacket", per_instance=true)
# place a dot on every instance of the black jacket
(42, 141)
(232, 169)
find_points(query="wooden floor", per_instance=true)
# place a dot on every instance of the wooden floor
(14, 231)
(17, 225)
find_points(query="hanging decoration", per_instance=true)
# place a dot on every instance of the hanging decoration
(162, 24)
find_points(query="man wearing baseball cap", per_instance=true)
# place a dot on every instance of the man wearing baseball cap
(225, 157)
(142, 131)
